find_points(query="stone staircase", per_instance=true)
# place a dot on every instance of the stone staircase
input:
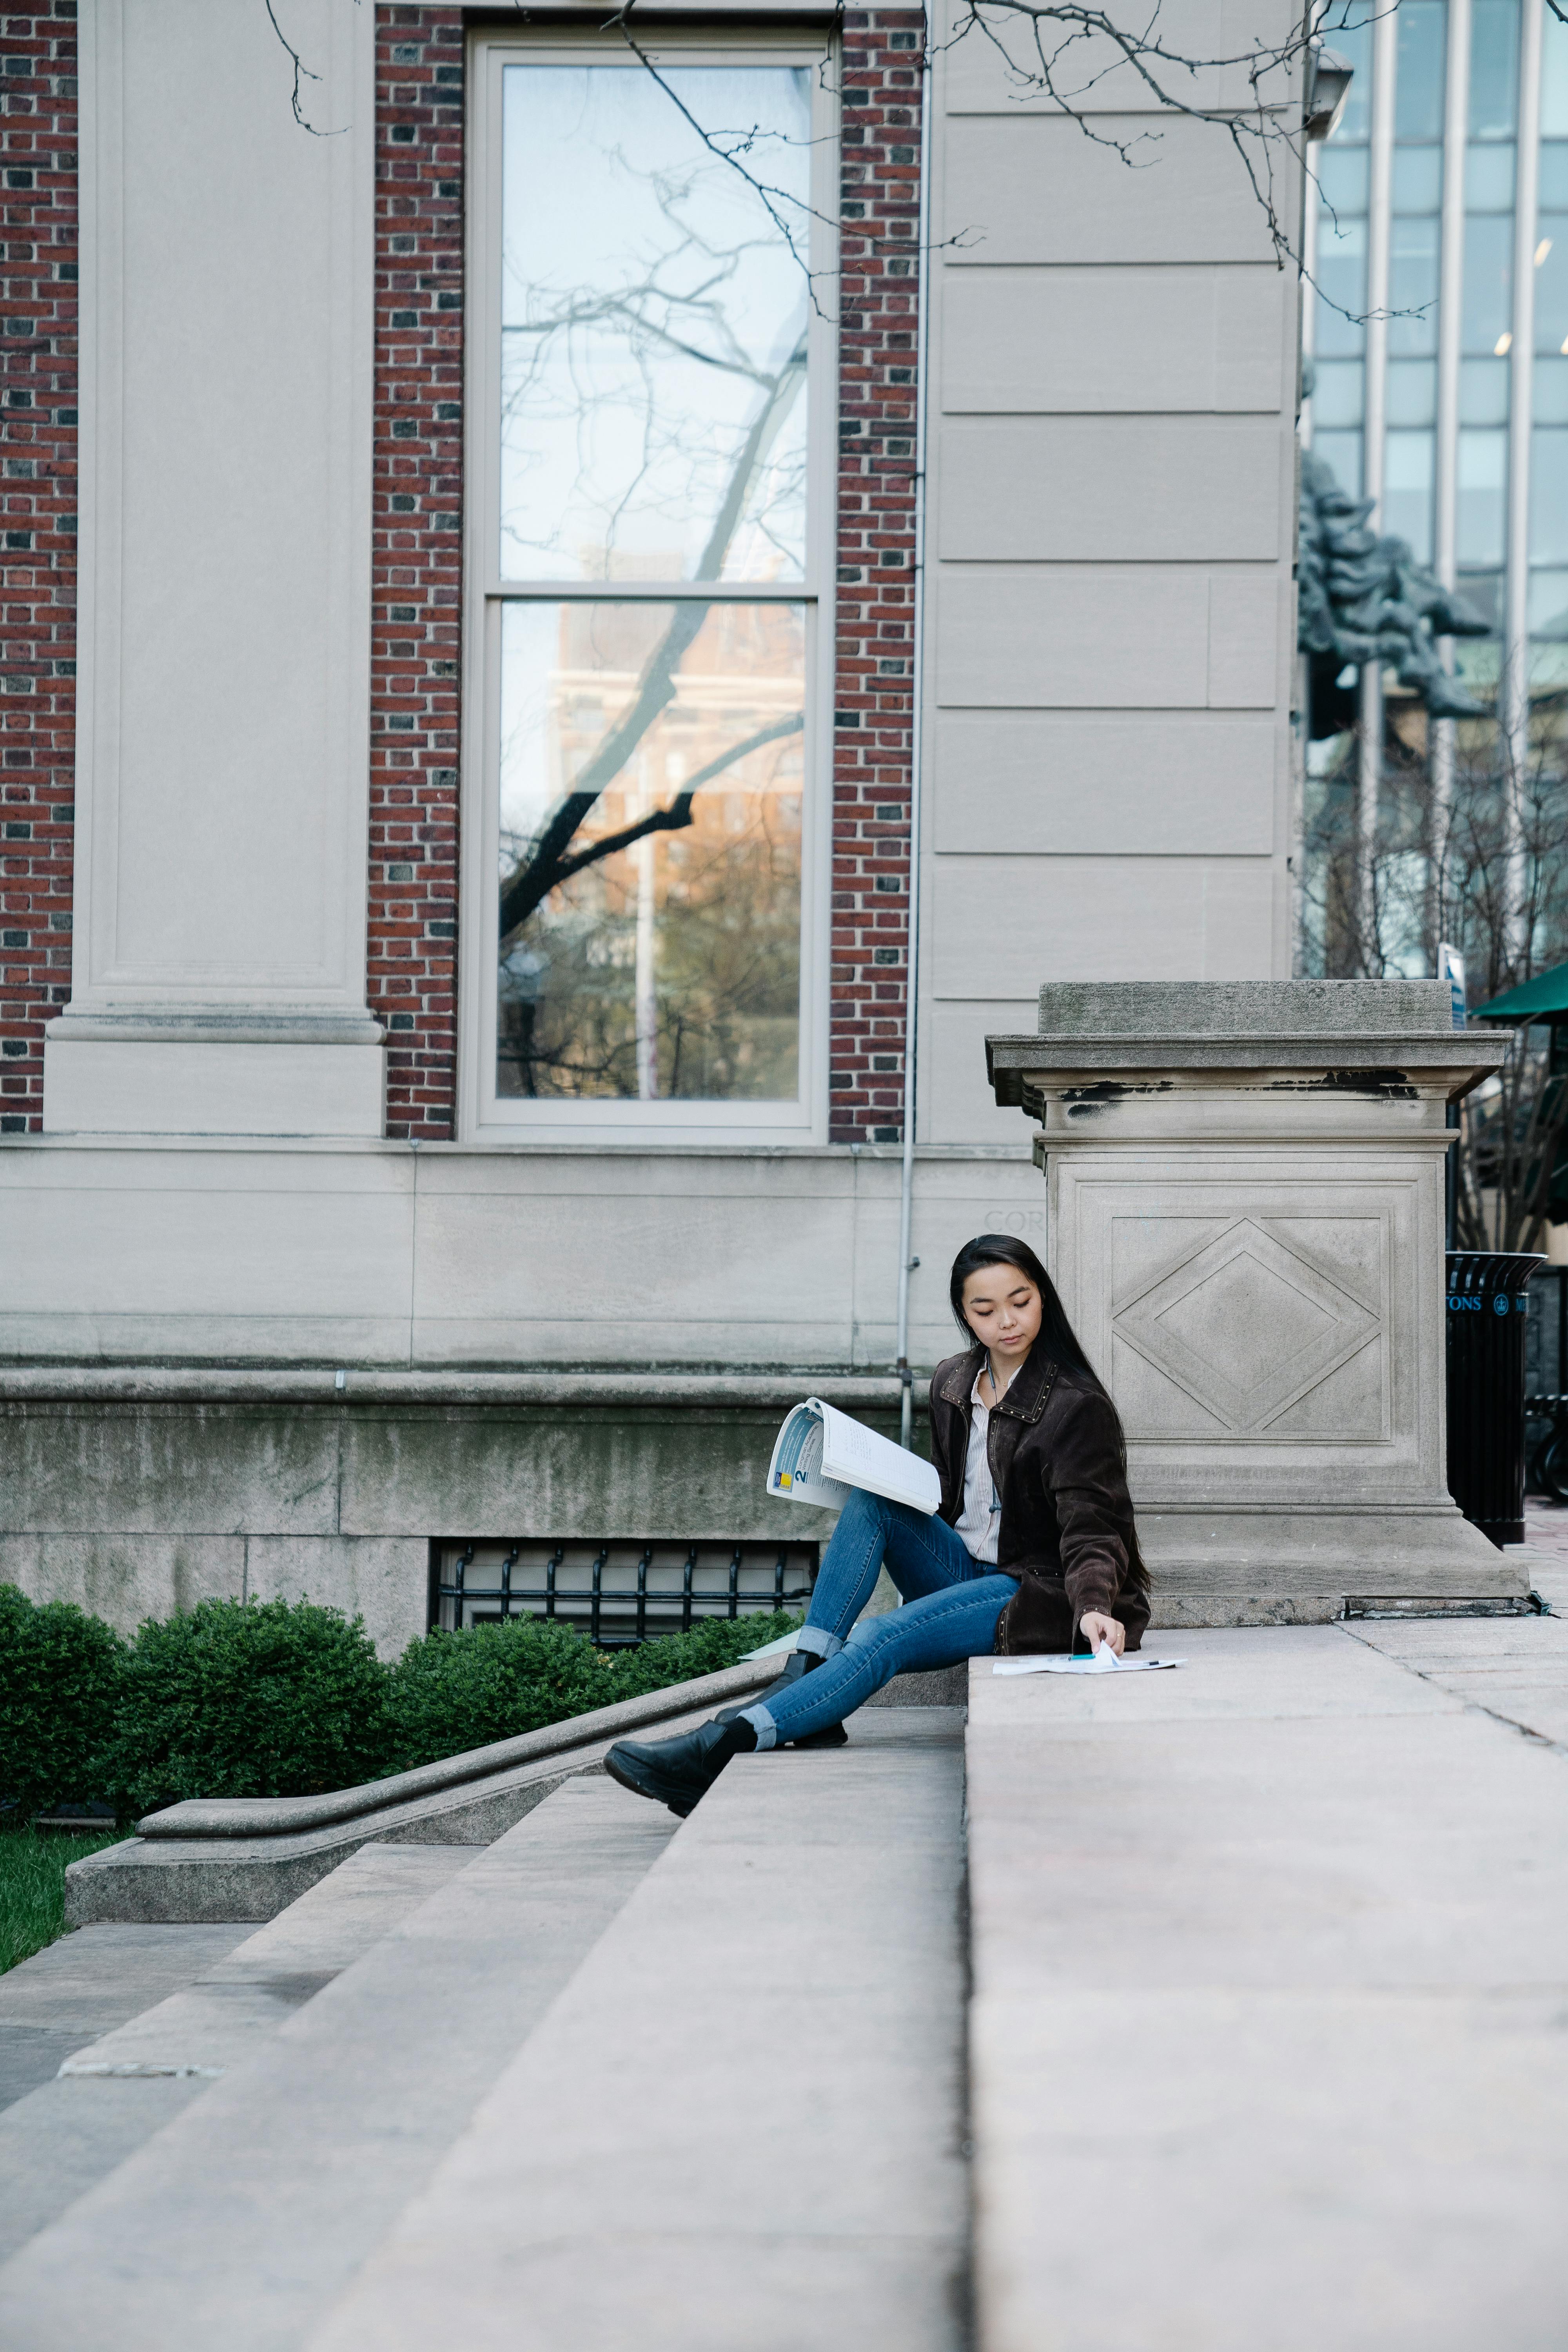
(707, 2072)
(1230, 2000)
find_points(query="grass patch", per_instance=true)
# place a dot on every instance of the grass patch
(32, 1888)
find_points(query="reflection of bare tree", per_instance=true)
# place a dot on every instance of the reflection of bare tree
(729, 979)
(549, 859)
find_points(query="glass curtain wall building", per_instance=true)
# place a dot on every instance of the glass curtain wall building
(1435, 328)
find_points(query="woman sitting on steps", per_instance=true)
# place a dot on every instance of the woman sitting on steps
(1033, 1544)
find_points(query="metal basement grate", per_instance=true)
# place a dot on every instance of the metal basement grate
(619, 1593)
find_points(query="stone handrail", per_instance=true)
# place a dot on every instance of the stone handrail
(260, 1816)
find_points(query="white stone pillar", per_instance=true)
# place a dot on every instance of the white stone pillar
(227, 282)
(1245, 1226)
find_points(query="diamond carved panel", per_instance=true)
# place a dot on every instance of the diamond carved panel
(1246, 1326)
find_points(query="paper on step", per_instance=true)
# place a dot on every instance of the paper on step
(820, 1454)
(1104, 1661)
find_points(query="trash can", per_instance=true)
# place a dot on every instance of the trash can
(1487, 1308)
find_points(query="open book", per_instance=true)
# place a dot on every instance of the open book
(820, 1454)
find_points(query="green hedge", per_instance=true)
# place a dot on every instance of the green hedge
(266, 1699)
(454, 1691)
(284, 1699)
(59, 1677)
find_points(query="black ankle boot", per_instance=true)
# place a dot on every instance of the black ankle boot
(798, 1663)
(679, 1772)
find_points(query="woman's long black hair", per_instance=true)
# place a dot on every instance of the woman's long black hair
(1057, 1336)
(1001, 1249)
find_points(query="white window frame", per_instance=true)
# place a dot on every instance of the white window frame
(484, 1116)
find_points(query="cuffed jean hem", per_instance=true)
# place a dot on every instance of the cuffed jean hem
(763, 1724)
(817, 1642)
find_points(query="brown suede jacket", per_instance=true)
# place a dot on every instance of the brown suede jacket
(1066, 1532)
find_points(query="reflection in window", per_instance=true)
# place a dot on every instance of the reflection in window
(1342, 453)
(1337, 394)
(1413, 288)
(1494, 68)
(1488, 283)
(1418, 83)
(1483, 485)
(653, 325)
(656, 314)
(651, 780)
(1342, 284)
(1483, 392)
(1411, 392)
(1551, 282)
(1548, 495)
(1407, 491)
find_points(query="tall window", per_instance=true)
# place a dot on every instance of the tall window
(645, 533)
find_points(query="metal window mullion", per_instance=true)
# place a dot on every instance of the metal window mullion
(1446, 513)
(641, 591)
(1522, 386)
(1375, 412)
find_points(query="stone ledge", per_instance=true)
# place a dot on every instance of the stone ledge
(318, 1385)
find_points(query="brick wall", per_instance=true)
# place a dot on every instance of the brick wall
(874, 683)
(38, 323)
(418, 561)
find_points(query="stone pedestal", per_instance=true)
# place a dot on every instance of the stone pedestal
(1245, 1210)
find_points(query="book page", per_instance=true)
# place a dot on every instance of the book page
(821, 1454)
(858, 1455)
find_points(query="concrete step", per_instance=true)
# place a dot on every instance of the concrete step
(112, 2094)
(1270, 1968)
(742, 2121)
(88, 1983)
(238, 2224)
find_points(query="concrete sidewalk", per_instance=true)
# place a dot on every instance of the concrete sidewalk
(1272, 1973)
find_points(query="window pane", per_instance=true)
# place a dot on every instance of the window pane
(1494, 68)
(1343, 176)
(1336, 394)
(653, 324)
(1548, 495)
(1483, 480)
(668, 968)
(1489, 179)
(1484, 386)
(1552, 391)
(1340, 452)
(1339, 318)
(1418, 85)
(1553, 77)
(1413, 288)
(1407, 491)
(1488, 283)
(1411, 392)
(1551, 282)
(1417, 179)
(1549, 606)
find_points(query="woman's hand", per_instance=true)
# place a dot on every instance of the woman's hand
(1097, 1629)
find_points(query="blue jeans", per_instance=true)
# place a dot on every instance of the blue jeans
(951, 1603)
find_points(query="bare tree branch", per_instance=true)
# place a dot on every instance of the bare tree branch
(301, 73)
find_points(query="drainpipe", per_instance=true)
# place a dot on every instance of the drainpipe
(917, 730)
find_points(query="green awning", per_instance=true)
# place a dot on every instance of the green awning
(1544, 998)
